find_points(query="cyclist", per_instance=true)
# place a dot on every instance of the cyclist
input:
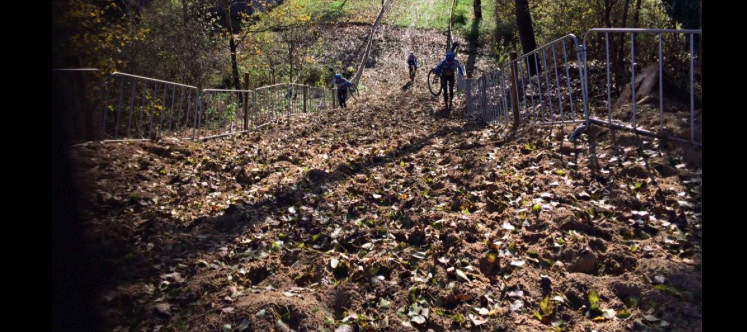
(342, 88)
(446, 69)
(412, 65)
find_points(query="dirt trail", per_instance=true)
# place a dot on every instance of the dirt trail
(387, 216)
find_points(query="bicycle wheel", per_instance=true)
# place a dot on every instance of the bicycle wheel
(434, 84)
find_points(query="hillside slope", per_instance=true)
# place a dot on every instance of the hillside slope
(389, 216)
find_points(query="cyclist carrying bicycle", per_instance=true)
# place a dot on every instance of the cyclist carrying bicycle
(412, 65)
(446, 69)
(342, 88)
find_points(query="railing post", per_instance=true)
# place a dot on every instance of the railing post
(246, 102)
(485, 99)
(468, 82)
(198, 115)
(305, 94)
(514, 99)
(255, 110)
(106, 81)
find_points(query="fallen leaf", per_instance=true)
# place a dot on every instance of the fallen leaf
(164, 308)
(344, 328)
(517, 263)
(477, 320)
(461, 275)
(608, 313)
(418, 319)
(243, 325)
(517, 305)
(651, 318)
(281, 326)
(419, 254)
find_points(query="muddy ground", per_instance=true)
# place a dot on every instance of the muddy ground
(392, 216)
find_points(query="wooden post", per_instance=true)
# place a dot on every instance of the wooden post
(305, 94)
(468, 82)
(246, 102)
(255, 110)
(514, 97)
(485, 98)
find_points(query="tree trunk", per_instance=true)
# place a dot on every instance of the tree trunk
(232, 45)
(290, 61)
(512, 91)
(526, 32)
(625, 13)
(478, 9)
(608, 4)
(637, 13)
(621, 46)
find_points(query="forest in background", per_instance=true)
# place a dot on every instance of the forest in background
(188, 41)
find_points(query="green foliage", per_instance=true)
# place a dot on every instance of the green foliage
(547, 309)
(95, 32)
(460, 15)
(594, 309)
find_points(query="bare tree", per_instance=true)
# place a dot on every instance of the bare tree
(526, 31)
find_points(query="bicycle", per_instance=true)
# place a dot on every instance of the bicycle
(434, 83)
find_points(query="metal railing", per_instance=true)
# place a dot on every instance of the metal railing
(649, 48)
(487, 97)
(222, 112)
(280, 99)
(142, 107)
(127, 106)
(551, 85)
(543, 85)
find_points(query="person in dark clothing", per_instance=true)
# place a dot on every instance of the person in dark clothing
(447, 70)
(412, 65)
(342, 88)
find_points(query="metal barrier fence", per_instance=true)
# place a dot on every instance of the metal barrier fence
(648, 68)
(142, 107)
(222, 112)
(77, 93)
(284, 98)
(126, 106)
(542, 81)
(320, 99)
(551, 85)
(487, 97)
